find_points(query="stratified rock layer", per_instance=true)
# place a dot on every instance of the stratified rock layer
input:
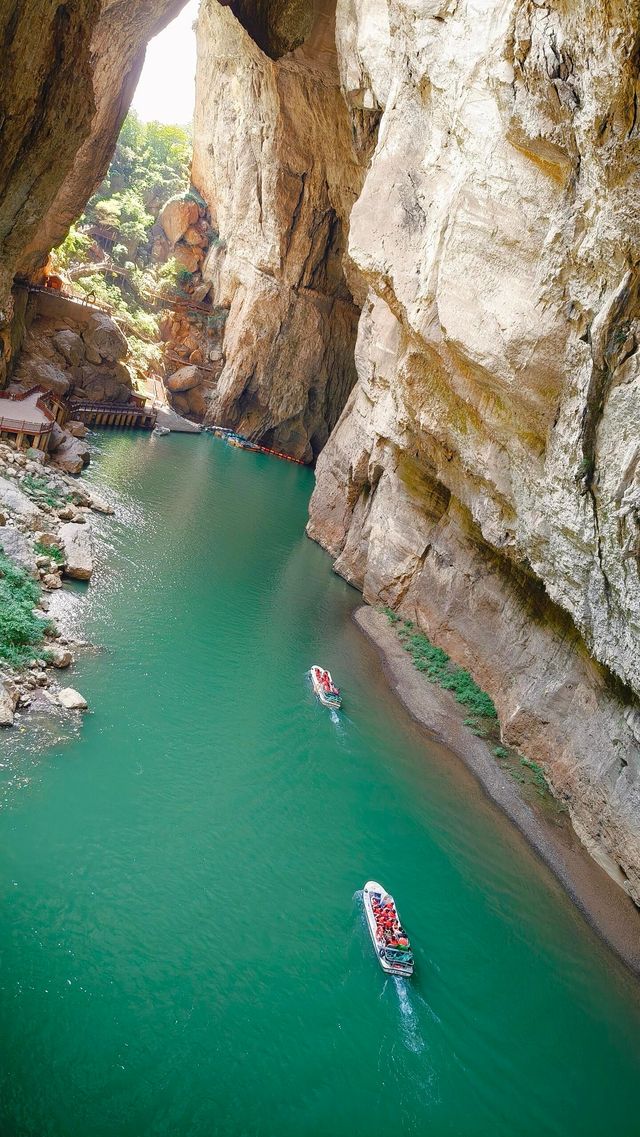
(485, 475)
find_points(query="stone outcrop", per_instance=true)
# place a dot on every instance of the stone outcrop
(276, 162)
(72, 349)
(76, 542)
(485, 474)
(69, 72)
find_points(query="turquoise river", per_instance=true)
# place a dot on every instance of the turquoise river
(183, 952)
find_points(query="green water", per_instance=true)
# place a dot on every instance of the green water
(183, 947)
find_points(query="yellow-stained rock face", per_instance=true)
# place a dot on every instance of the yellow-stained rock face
(486, 472)
(274, 157)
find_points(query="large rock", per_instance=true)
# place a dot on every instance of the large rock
(14, 501)
(18, 547)
(188, 256)
(176, 217)
(39, 372)
(105, 339)
(76, 542)
(70, 345)
(183, 379)
(8, 701)
(71, 699)
(71, 454)
(61, 657)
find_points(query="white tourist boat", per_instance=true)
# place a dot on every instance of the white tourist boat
(389, 937)
(324, 687)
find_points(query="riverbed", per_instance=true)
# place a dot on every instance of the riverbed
(183, 948)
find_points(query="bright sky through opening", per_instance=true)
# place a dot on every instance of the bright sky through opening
(166, 90)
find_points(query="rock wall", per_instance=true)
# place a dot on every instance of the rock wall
(276, 160)
(68, 74)
(485, 474)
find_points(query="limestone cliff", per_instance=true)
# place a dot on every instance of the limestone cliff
(276, 160)
(485, 475)
(68, 74)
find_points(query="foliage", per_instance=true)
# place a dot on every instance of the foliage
(438, 668)
(501, 752)
(51, 551)
(43, 491)
(127, 214)
(20, 630)
(150, 164)
(536, 775)
(73, 250)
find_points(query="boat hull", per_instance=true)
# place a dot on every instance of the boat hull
(327, 700)
(370, 889)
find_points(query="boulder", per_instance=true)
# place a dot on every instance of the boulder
(17, 547)
(51, 581)
(103, 336)
(70, 345)
(46, 375)
(106, 384)
(35, 455)
(72, 700)
(15, 501)
(72, 456)
(76, 429)
(183, 379)
(8, 701)
(56, 437)
(201, 291)
(194, 236)
(61, 657)
(176, 217)
(188, 256)
(76, 542)
(100, 505)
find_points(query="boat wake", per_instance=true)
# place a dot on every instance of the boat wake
(412, 1038)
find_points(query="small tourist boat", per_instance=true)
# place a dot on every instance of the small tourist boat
(324, 687)
(160, 431)
(389, 937)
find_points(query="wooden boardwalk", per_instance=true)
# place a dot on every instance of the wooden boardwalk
(132, 415)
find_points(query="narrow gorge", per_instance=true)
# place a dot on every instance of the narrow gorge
(399, 246)
(428, 253)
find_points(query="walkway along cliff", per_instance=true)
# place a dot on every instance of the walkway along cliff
(428, 228)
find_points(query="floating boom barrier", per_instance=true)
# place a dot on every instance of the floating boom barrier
(243, 443)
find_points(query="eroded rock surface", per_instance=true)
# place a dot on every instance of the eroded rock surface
(275, 160)
(485, 474)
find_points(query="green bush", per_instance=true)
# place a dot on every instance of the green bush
(51, 551)
(436, 665)
(20, 631)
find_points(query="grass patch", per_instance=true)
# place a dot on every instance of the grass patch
(51, 551)
(535, 776)
(482, 719)
(436, 665)
(20, 631)
(42, 491)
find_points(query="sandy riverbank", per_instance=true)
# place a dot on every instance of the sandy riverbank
(605, 906)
